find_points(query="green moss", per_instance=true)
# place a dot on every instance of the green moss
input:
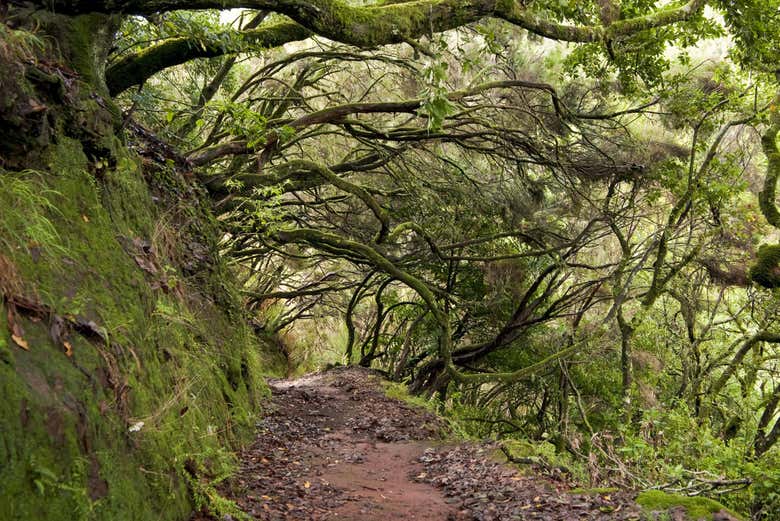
(696, 508)
(389, 23)
(594, 491)
(766, 270)
(144, 416)
(544, 454)
(399, 391)
(82, 41)
(767, 196)
(60, 450)
(180, 365)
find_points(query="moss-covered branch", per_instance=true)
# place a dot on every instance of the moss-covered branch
(419, 230)
(683, 205)
(520, 374)
(767, 196)
(766, 270)
(333, 243)
(134, 69)
(292, 179)
(734, 364)
(362, 26)
(342, 184)
(339, 113)
(764, 441)
(368, 26)
(584, 34)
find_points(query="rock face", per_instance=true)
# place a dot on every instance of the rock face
(126, 369)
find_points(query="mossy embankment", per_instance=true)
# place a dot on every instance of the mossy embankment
(127, 370)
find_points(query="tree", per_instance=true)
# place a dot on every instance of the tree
(605, 31)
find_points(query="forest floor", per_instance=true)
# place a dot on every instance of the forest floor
(335, 447)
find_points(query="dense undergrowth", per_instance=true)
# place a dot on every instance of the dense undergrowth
(629, 464)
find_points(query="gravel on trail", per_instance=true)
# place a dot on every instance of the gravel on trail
(333, 446)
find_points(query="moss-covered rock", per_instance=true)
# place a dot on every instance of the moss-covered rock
(695, 508)
(127, 371)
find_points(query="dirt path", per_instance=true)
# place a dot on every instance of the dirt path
(334, 447)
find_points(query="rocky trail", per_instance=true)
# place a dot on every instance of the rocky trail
(334, 447)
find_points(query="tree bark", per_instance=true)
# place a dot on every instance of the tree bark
(83, 42)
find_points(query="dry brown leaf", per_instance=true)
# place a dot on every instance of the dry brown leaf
(21, 342)
(11, 318)
(33, 107)
(68, 348)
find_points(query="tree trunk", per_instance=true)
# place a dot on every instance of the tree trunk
(83, 43)
(626, 335)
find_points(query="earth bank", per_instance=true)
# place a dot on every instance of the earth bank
(127, 370)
